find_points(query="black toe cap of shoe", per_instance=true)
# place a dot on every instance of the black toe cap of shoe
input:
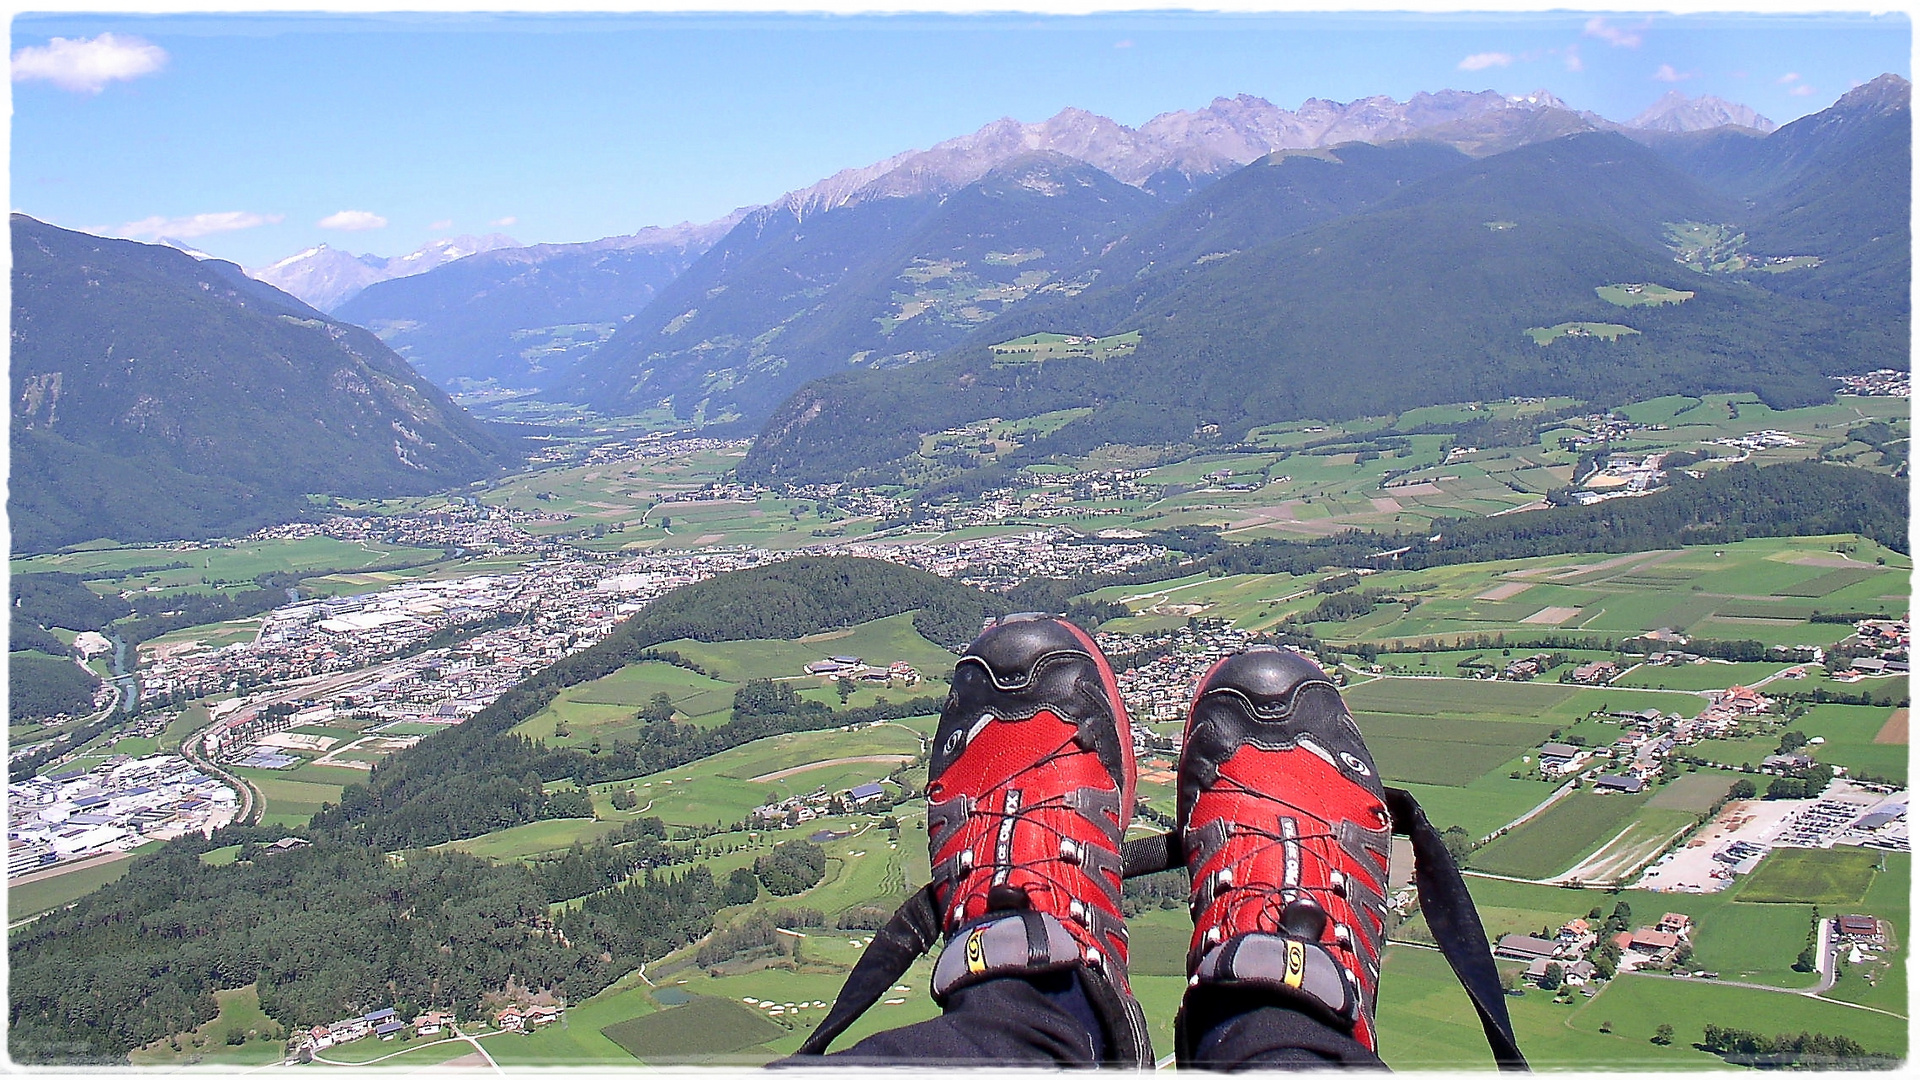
(1013, 645)
(1267, 676)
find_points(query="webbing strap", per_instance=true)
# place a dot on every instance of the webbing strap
(1444, 900)
(1455, 924)
(911, 932)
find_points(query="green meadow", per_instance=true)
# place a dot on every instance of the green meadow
(1820, 876)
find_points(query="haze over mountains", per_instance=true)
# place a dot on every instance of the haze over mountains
(327, 277)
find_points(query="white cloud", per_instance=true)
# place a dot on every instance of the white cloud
(1667, 74)
(1127, 44)
(1482, 61)
(501, 223)
(1802, 90)
(1570, 56)
(186, 228)
(352, 221)
(87, 65)
(438, 226)
(1625, 37)
(1791, 76)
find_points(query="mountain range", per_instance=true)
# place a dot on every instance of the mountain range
(327, 277)
(522, 316)
(1381, 278)
(540, 324)
(872, 268)
(157, 396)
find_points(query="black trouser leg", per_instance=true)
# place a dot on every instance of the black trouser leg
(1233, 1033)
(1010, 1021)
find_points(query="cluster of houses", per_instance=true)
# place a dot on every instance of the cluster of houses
(1567, 948)
(526, 1018)
(118, 804)
(1885, 382)
(795, 809)
(386, 1024)
(1767, 439)
(1650, 738)
(1005, 560)
(379, 1024)
(853, 669)
(1161, 688)
(1597, 673)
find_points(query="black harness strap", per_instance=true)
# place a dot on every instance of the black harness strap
(912, 931)
(1455, 923)
(915, 929)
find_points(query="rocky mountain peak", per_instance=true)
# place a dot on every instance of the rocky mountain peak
(1676, 111)
(1884, 94)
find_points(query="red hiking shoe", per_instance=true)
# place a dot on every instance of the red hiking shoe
(1284, 822)
(1030, 790)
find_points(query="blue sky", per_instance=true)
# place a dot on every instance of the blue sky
(263, 134)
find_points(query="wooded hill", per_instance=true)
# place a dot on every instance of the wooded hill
(1426, 295)
(157, 397)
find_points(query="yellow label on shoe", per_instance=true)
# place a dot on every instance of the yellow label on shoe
(1296, 963)
(976, 952)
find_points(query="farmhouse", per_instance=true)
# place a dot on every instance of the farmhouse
(1673, 922)
(1522, 947)
(1632, 785)
(1577, 973)
(1598, 673)
(1556, 755)
(1864, 928)
(1652, 942)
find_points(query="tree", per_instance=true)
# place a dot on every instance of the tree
(1662, 1035)
(1553, 977)
(742, 887)
(1458, 842)
(1742, 789)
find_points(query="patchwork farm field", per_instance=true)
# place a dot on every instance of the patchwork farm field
(608, 708)
(215, 565)
(1442, 751)
(705, 1029)
(1555, 840)
(1747, 590)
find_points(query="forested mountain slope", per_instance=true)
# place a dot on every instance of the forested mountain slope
(157, 397)
(521, 317)
(1440, 292)
(787, 296)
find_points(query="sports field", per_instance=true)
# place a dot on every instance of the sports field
(1811, 876)
(44, 894)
